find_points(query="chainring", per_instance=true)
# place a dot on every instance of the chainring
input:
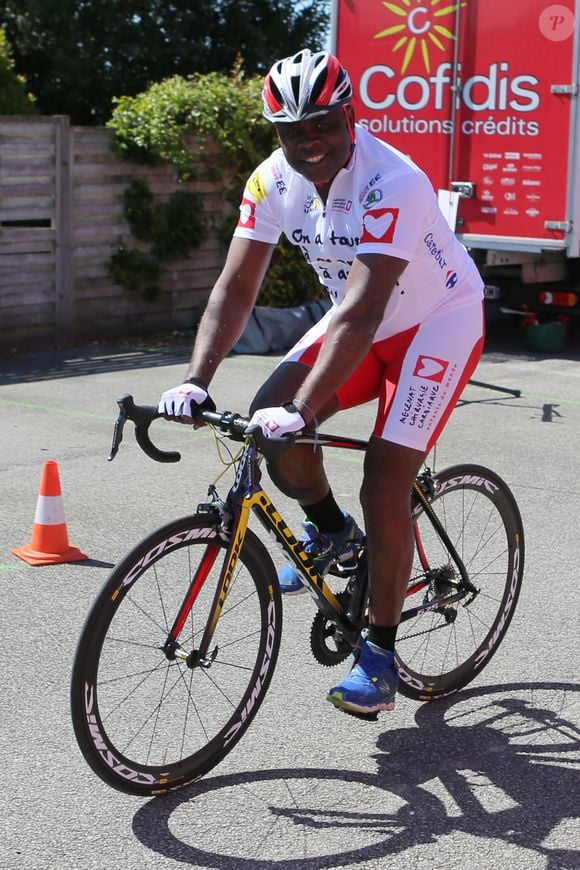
(328, 649)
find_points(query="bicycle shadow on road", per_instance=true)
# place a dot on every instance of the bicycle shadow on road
(496, 764)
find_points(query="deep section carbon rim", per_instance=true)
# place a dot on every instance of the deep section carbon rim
(145, 723)
(443, 649)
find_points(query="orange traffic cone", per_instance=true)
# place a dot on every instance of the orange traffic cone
(49, 543)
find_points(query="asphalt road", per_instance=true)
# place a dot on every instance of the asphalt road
(486, 778)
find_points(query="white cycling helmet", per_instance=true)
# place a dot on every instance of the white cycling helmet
(304, 86)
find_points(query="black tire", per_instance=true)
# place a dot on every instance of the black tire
(443, 650)
(145, 724)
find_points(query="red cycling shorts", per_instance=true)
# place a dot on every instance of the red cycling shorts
(417, 375)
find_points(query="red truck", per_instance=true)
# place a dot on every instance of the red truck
(483, 95)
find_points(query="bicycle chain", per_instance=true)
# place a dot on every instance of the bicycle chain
(426, 631)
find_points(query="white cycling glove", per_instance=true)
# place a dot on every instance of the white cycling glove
(181, 401)
(275, 422)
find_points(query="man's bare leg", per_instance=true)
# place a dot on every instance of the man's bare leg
(390, 471)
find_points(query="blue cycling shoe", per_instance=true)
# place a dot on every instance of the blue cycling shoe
(372, 683)
(327, 550)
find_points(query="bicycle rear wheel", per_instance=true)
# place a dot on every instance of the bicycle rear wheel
(146, 723)
(443, 649)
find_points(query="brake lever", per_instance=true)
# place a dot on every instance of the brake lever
(142, 416)
(117, 432)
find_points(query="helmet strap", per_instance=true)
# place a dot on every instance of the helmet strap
(352, 137)
(349, 124)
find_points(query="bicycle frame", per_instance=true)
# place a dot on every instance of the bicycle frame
(247, 496)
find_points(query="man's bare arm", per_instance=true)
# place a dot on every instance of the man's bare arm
(230, 305)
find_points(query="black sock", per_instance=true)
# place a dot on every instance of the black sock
(383, 636)
(326, 514)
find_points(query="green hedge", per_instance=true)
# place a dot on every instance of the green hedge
(171, 229)
(217, 108)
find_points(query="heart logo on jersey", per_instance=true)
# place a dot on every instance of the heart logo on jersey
(430, 368)
(247, 217)
(379, 225)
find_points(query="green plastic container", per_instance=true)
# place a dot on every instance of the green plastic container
(546, 337)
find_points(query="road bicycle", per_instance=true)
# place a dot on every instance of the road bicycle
(179, 647)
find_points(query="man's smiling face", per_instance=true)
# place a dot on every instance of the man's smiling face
(318, 148)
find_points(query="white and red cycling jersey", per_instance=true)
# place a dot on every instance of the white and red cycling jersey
(431, 336)
(381, 202)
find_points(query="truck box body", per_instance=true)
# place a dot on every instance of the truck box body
(483, 95)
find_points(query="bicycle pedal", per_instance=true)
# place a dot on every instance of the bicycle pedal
(343, 569)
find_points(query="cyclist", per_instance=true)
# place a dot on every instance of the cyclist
(406, 327)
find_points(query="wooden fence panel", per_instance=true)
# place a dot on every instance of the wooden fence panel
(61, 219)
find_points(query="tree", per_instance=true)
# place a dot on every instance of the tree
(79, 54)
(14, 98)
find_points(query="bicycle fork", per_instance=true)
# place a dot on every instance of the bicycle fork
(199, 657)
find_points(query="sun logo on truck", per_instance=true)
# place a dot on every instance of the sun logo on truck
(422, 31)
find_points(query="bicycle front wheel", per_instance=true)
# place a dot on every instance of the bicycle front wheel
(444, 648)
(148, 723)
